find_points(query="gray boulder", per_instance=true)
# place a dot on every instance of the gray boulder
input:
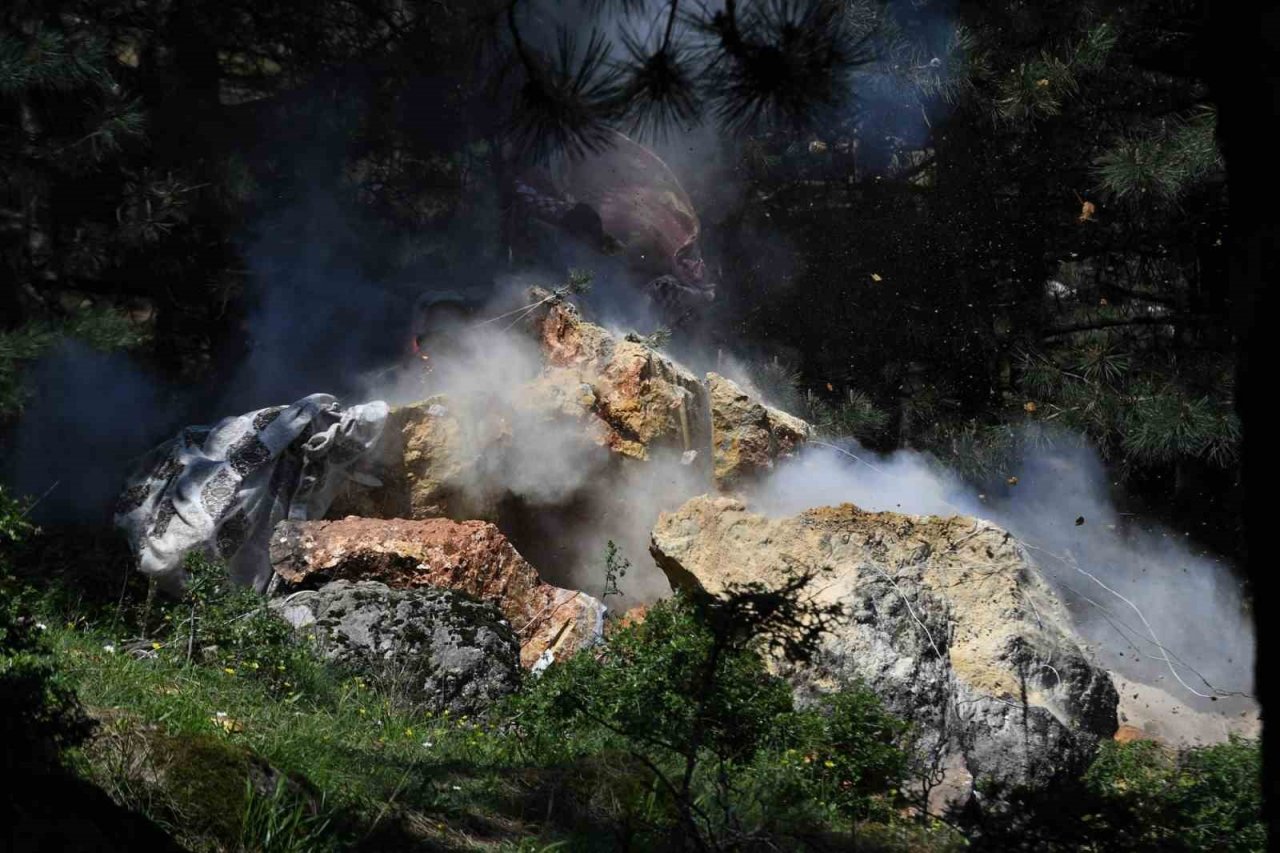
(947, 620)
(436, 649)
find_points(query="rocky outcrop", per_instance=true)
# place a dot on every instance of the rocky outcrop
(946, 619)
(629, 397)
(471, 557)
(746, 435)
(438, 457)
(635, 401)
(433, 648)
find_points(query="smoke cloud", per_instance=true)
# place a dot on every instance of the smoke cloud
(558, 494)
(1136, 591)
(93, 415)
(321, 323)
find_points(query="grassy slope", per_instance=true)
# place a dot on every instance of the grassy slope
(384, 778)
(367, 759)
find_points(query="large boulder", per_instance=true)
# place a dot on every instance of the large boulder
(446, 457)
(946, 619)
(428, 464)
(471, 557)
(435, 648)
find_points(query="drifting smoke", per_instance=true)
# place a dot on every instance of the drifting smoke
(558, 495)
(318, 324)
(1136, 594)
(317, 319)
(93, 415)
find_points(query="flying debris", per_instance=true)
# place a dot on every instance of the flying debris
(1087, 209)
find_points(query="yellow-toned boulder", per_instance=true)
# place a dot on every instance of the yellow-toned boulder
(947, 619)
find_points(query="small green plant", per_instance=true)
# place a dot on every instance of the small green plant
(657, 339)
(1138, 796)
(579, 282)
(40, 716)
(615, 569)
(1203, 798)
(14, 525)
(231, 627)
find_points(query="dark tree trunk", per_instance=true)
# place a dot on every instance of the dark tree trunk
(1241, 60)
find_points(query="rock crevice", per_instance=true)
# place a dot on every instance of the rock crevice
(469, 557)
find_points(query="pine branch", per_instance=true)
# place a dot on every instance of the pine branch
(781, 65)
(658, 90)
(567, 102)
(1116, 323)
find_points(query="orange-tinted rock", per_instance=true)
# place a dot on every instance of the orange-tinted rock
(472, 557)
(634, 616)
(1127, 734)
(427, 456)
(635, 399)
(631, 398)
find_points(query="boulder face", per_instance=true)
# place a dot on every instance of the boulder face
(427, 461)
(437, 457)
(630, 398)
(470, 557)
(439, 650)
(747, 436)
(946, 619)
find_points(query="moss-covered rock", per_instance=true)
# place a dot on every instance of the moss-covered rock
(196, 785)
(435, 648)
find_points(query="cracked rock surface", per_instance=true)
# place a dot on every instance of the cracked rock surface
(469, 557)
(439, 650)
(946, 619)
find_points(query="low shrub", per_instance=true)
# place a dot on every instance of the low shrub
(715, 753)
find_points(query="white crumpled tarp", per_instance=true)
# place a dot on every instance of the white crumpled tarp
(221, 489)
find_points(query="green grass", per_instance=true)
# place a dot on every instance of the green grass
(258, 745)
(367, 758)
(179, 742)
